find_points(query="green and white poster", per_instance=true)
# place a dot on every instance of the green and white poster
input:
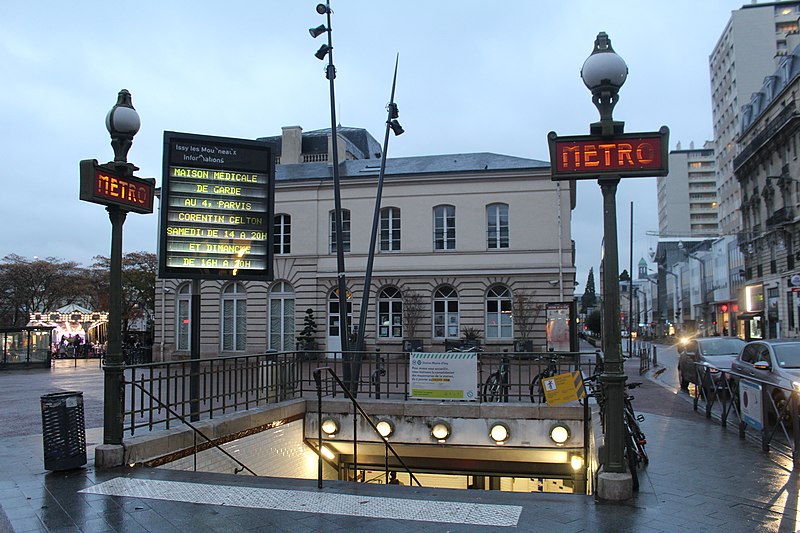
(444, 376)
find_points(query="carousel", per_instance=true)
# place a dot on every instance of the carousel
(77, 331)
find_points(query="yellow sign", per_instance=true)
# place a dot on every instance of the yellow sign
(563, 388)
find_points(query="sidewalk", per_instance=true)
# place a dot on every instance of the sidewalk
(701, 477)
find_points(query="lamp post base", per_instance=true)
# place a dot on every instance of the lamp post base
(109, 456)
(614, 486)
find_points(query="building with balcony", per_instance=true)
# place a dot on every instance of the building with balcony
(767, 171)
(752, 44)
(477, 240)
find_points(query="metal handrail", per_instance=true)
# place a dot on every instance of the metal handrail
(196, 431)
(768, 431)
(357, 406)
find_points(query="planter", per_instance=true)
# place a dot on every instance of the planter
(523, 345)
(412, 345)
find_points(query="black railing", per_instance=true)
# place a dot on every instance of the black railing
(780, 419)
(236, 383)
(357, 409)
(196, 433)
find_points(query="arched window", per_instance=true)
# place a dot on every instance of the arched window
(498, 313)
(445, 313)
(281, 317)
(390, 229)
(183, 306)
(283, 234)
(345, 230)
(234, 318)
(444, 227)
(497, 226)
(390, 314)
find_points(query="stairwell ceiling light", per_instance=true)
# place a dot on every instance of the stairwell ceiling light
(499, 433)
(576, 461)
(440, 431)
(385, 428)
(330, 426)
(559, 434)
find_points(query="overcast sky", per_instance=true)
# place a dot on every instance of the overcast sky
(474, 77)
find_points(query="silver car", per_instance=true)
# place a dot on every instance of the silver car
(773, 362)
(714, 353)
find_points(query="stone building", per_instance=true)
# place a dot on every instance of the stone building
(462, 238)
(767, 170)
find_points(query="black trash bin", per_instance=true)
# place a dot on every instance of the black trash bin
(63, 430)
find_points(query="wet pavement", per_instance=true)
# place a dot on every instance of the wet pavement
(701, 477)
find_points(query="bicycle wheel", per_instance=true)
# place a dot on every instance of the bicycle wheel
(493, 388)
(537, 389)
(632, 457)
(638, 435)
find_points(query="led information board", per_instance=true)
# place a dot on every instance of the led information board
(592, 156)
(102, 185)
(217, 207)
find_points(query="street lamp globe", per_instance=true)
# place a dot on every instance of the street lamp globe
(603, 73)
(122, 122)
(604, 67)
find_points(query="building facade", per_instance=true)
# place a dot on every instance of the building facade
(687, 196)
(756, 37)
(768, 174)
(475, 240)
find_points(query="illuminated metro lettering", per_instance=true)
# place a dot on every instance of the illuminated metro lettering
(120, 189)
(600, 156)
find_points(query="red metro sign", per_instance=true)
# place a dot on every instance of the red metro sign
(595, 157)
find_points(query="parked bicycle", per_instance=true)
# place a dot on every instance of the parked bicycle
(495, 389)
(634, 438)
(537, 383)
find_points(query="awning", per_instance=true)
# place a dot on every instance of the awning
(749, 315)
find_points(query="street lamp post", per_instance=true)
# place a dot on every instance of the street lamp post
(122, 123)
(603, 73)
(330, 74)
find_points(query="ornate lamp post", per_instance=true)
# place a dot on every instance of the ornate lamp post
(122, 123)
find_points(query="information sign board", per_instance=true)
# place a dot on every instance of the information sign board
(750, 404)
(444, 376)
(563, 388)
(217, 208)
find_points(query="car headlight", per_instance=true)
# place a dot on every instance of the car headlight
(796, 385)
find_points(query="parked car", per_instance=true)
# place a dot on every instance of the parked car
(715, 352)
(775, 363)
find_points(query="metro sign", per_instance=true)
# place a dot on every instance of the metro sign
(594, 157)
(102, 185)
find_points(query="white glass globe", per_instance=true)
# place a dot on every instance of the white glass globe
(122, 120)
(604, 68)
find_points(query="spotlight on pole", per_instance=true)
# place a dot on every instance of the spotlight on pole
(319, 30)
(396, 127)
(322, 9)
(322, 52)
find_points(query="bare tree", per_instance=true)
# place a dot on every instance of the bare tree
(525, 311)
(138, 285)
(29, 286)
(413, 308)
